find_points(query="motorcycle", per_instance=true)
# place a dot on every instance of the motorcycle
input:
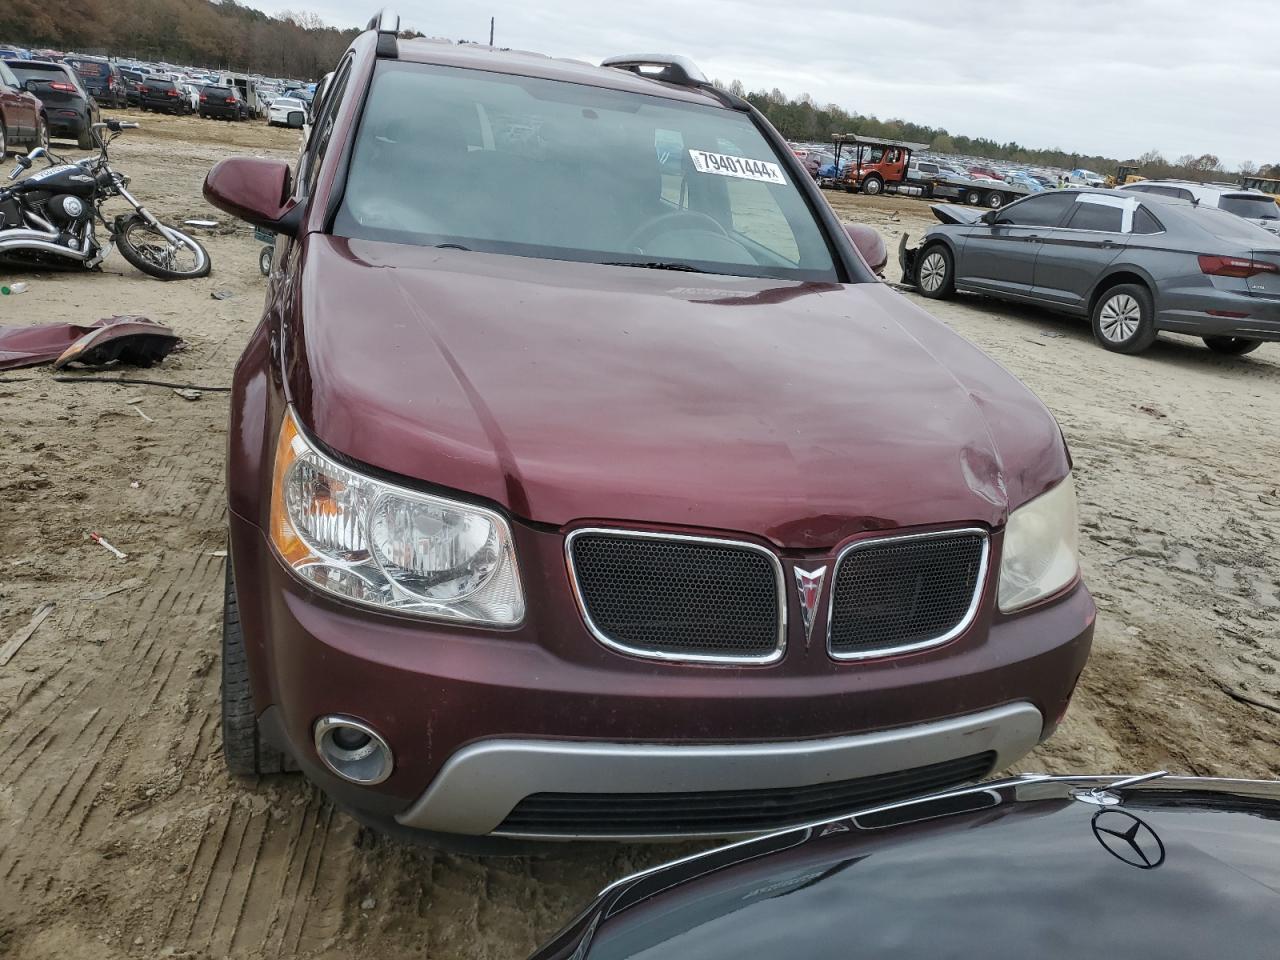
(48, 218)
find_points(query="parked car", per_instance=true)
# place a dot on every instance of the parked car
(22, 119)
(1179, 868)
(222, 103)
(191, 94)
(103, 80)
(813, 159)
(1086, 178)
(1020, 179)
(132, 86)
(164, 96)
(1135, 264)
(70, 112)
(1257, 207)
(742, 543)
(984, 173)
(287, 112)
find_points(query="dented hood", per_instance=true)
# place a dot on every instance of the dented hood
(801, 413)
(955, 213)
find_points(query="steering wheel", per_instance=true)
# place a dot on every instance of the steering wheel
(677, 220)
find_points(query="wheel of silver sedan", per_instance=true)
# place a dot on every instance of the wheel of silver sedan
(1119, 318)
(933, 272)
(1124, 318)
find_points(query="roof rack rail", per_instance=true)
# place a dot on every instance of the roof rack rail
(387, 25)
(673, 69)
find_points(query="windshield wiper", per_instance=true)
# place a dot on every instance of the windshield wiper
(655, 265)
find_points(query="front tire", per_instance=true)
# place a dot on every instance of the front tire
(149, 251)
(936, 272)
(245, 752)
(872, 186)
(1232, 346)
(4, 142)
(1124, 319)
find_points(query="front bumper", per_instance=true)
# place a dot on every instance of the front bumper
(483, 782)
(478, 719)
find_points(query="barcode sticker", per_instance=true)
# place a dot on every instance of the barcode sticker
(743, 167)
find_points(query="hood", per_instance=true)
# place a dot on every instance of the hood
(1010, 869)
(802, 413)
(955, 213)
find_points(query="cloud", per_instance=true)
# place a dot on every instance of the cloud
(1086, 75)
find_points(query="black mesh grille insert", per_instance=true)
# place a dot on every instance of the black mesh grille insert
(905, 591)
(678, 597)
(731, 811)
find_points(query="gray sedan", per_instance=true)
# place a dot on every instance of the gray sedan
(1135, 265)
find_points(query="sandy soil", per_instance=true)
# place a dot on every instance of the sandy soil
(122, 836)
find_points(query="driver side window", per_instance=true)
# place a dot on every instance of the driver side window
(1041, 211)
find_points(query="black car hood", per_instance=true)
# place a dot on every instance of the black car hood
(1014, 870)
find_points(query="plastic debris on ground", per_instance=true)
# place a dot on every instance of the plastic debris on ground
(136, 341)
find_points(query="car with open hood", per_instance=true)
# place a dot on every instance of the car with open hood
(581, 488)
(1050, 867)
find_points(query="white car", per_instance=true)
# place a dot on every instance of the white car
(281, 107)
(1258, 208)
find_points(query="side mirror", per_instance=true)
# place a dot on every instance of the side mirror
(254, 190)
(297, 119)
(990, 218)
(870, 245)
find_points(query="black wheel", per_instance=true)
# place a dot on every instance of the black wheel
(1124, 319)
(872, 186)
(935, 272)
(264, 261)
(245, 752)
(151, 252)
(84, 139)
(972, 198)
(4, 142)
(995, 200)
(1234, 346)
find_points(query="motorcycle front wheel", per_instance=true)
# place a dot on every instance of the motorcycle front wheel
(151, 252)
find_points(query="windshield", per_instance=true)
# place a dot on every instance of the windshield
(44, 72)
(543, 168)
(1251, 207)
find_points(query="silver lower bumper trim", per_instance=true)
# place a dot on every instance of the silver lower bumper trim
(480, 784)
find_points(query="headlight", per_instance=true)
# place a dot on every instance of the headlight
(386, 546)
(1041, 548)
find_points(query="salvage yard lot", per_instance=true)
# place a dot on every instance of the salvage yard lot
(121, 835)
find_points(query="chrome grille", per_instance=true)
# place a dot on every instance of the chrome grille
(679, 598)
(904, 593)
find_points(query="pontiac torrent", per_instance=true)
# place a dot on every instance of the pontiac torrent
(585, 483)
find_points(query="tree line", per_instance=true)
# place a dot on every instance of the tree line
(226, 35)
(801, 118)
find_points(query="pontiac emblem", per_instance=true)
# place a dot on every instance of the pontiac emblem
(809, 586)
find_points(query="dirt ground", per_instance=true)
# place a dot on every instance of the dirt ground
(122, 836)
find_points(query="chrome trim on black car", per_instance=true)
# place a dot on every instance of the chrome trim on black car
(772, 657)
(951, 634)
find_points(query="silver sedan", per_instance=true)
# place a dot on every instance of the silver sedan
(1135, 265)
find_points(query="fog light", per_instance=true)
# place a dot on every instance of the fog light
(353, 750)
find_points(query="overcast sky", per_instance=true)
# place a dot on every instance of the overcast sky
(1094, 76)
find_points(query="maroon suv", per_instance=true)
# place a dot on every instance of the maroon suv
(584, 486)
